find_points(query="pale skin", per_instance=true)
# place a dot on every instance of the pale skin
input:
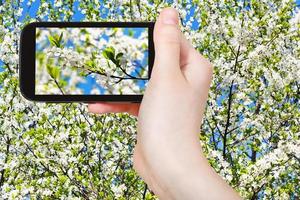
(168, 155)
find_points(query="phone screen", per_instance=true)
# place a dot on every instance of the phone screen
(91, 60)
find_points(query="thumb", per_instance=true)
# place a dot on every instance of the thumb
(167, 37)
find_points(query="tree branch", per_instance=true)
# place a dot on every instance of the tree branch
(145, 191)
(229, 104)
(5, 161)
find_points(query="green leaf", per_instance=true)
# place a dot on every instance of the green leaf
(90, 63)
(60, 37)
(53, 71)
(119, 56)
(49, 69)
(101, 70)
(131, 32)
(94, 54)
(82, 73)
(56, 40)
(63, 83)
(52, 41)
(109, 53)
(79, 49)
(145, 46)
(114, 31)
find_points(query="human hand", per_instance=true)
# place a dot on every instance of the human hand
(168, 155)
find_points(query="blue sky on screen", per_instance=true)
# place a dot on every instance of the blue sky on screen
(1, 64)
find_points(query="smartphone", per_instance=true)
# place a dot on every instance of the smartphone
(85, 61)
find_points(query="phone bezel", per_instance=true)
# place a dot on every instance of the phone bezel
(27, 62)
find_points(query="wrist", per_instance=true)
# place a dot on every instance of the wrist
(186, 176)
(202, 183)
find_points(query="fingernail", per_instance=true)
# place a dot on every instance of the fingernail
(170, 16)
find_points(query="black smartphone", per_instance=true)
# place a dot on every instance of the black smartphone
(86, 61)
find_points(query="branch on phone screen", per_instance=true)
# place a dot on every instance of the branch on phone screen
(114, 76)
(57, 84)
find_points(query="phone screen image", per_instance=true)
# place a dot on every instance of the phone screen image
(91, 60)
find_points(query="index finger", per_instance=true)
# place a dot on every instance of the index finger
(105, 107)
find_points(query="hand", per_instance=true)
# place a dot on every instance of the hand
(168, 155)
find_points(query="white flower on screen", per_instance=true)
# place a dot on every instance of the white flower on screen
(102, 62)
(82, 37)
(95, 90)
(101, 80)
(57, 54)
(108, 73)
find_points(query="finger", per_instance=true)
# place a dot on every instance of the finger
(196, 69)
(167, 44)
(101, 108)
